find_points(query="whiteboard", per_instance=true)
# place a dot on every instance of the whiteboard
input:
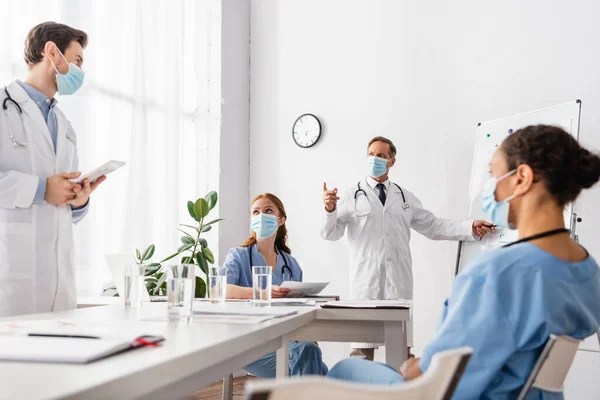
(489, 136)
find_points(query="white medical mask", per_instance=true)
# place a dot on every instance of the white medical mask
(497, 211)
(264, 225)
(70, 82)
(376, 166)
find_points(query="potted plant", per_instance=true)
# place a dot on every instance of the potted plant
(193, 246)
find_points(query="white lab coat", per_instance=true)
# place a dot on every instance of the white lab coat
(36, 240)
(380, 259)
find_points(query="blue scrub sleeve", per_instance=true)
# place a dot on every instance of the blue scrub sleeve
(79, 212)
(474, 317)
(233, 265)
(40, 192)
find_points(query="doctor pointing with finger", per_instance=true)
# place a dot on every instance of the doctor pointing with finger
(377, 215)
(38, 159)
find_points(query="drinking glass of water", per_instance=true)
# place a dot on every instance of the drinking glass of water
(133, 288)
(261, 285)
(181, 281)
(217, 284)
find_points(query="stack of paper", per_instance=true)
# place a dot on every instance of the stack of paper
(233, 313)
(245, 311)
(380, 304)
(299, 302)
(301, 289)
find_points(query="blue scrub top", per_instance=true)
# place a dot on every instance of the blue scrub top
(505, 307)
(239, 270)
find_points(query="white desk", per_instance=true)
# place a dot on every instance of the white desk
(360, 325)
(192, 356)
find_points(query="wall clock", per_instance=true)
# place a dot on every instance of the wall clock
(306, 131)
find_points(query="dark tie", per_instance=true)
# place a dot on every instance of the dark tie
(381, 188)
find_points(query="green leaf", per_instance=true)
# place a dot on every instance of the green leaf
(200, 288)
(187, 260)
(111, 289)
(206, 228)
(201, 208)
(184, 247)
(171, 256)
(202, 262)
(192, 212)
(211, 199)
(184, 232)
(208, 254)
(154, 265)
(162, 278)
(189, 226)
(214, 221)
(138, 255)
(151, 269)
(188, 240)
(148, 253)
(203, 243)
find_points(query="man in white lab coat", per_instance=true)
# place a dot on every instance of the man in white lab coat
(38, 157)
(378, 215)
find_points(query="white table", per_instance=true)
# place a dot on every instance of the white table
(355, 325)
(192, 356)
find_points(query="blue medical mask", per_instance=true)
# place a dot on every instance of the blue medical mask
(376, 166)
(264, 225)
(497, 211)
(70, 82)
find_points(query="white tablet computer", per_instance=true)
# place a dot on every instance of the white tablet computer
(104, 169)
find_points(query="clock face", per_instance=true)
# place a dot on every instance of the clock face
(306, 130)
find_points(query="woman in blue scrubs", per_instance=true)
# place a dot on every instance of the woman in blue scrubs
(267, 246)
(509, 301)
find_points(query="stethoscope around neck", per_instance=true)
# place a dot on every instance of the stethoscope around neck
(15, 142)
(405, 205)
(283, 269)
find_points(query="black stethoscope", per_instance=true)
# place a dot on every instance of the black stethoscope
(8, 98)
(539, 236)
(283, 269)
(405, 205)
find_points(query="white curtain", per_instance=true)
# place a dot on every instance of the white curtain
(145, 101)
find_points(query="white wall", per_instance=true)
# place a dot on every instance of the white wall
(422, 73)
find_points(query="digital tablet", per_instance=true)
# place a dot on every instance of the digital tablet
(104, 169)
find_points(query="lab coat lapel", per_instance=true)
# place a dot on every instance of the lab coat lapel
(31, 111)
(371, 196)
(61, 144)
(394, 195)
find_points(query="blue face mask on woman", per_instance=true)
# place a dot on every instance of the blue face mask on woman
(497, 211)
(70, 82)
(376, 166)
(264, 225)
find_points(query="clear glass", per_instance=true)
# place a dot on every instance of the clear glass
(181, 281)
(217, 283)
(133, 287)
(261, 285)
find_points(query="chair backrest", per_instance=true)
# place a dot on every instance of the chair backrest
(552, 367)
(438, 383)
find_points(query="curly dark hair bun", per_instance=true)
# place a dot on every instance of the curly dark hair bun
(588, 170)
(555, 156)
